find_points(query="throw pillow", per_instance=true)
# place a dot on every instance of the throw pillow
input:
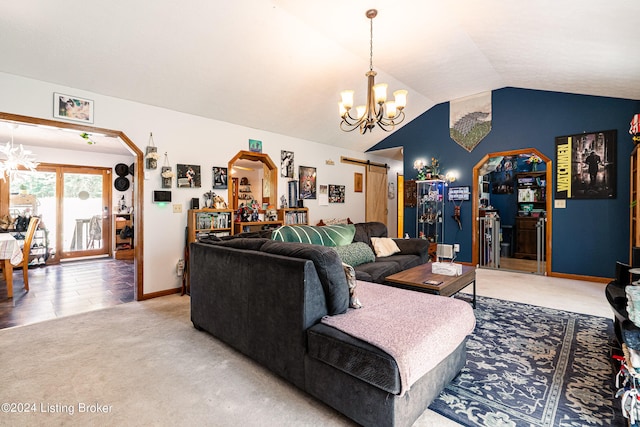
(328, 235)
(384, 246)
(355, 253)
(350, 274)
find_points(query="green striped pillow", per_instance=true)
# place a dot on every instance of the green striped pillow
(327, 235)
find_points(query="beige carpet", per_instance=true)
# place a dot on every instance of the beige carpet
(143, 363)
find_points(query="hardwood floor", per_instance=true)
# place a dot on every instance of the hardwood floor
(66, 289)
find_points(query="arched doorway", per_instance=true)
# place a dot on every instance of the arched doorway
(138, 193)
(478, 172)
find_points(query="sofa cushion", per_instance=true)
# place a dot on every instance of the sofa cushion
(328, 266)
(328, 235)
(366, 230)
(252, 244)
(404, 261)
(376, 271)
(355, 254)
(354, 356)
(384, 246)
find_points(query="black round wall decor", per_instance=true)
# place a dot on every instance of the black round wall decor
(121, 183)
(131, 169)
(122, 169)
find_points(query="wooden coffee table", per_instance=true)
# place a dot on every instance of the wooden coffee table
(415, 278)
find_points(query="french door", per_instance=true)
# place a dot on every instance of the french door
(74, 204)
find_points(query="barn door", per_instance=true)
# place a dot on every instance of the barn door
(376, 194)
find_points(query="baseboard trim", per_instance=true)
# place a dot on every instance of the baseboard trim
(160, 294)
(581, 277)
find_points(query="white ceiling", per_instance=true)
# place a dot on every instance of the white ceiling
(280, 65)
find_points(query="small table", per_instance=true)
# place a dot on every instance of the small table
(415, 277)
(10, 255)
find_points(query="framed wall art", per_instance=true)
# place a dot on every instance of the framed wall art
(357, 182)
(189, 176)
(585, 166)
(69, 107)
(336, 193)
(286, 164)
(219, 178)
(307, 180)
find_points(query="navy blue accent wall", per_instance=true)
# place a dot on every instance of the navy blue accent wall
(589, 235)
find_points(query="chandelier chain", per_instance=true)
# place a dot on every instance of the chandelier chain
(371, 44)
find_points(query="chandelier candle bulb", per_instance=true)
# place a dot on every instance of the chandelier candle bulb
(381, 93)
(347, 99)
(360, 109)
(401, 98)
(391, 109)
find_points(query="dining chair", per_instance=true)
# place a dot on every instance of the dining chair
(26, 249)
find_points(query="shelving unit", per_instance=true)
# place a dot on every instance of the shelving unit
(531, 187)
(430, 209)
(209, 222)
(634, 215)
(294, 216)
(123, 245)
(243, 227)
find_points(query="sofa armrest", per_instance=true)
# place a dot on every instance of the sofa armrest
(414, 247)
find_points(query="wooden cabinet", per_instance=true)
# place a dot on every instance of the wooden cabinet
(123, 228)
(209, 222)
(526, 237)
(294, 216)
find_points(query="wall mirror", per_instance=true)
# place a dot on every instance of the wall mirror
(254, 176)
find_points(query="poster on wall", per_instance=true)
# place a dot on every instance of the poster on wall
(307, 179)
(323, 195)
(586, 166)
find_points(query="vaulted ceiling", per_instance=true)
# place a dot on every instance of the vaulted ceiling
(279, 65)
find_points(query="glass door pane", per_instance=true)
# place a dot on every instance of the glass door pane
(83, 219)
(34, 193)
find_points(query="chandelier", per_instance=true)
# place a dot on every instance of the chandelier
(15, 158)
(378, 110)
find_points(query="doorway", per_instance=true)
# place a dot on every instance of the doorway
(513, 211)
(138, 188)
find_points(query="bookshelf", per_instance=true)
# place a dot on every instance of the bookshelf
(294, 216)
(209, 222)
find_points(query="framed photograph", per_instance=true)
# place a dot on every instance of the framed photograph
(189, 176)
(69, 107)
(585, 166)
(307, 180)
(286, 164)
(357, 182)
(336, 193)
(219, 178)
(255, 146)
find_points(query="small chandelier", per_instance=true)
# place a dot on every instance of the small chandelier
(15, 158)
(378, 110)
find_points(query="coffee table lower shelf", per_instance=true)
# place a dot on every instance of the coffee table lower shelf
(414, 279)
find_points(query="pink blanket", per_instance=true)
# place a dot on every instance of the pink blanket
(418, 330)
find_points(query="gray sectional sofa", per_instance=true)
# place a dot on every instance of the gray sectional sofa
(268, 299)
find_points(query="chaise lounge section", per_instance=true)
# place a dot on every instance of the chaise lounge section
(285, 305)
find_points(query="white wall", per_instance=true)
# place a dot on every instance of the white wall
(192, 139)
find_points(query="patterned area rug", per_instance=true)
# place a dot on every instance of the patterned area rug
(533, 366)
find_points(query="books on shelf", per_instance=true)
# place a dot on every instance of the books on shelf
(213, 220)
(296, 217)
